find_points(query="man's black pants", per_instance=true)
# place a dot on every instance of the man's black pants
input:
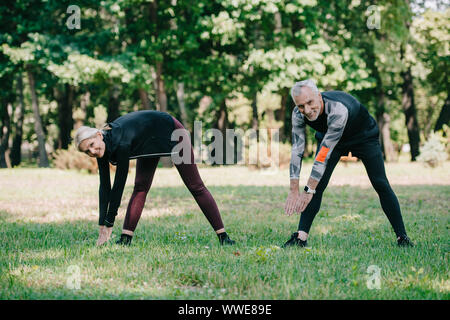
(371, 156)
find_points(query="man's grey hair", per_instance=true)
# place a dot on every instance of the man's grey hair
(297, 88)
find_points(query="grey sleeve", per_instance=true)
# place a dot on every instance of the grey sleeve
(298, 145)
(337, 119)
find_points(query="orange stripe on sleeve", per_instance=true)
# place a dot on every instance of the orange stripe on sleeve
(322, 154)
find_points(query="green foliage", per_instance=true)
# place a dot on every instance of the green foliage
(224, 49)
(82, 69)
(19, 55)
(432, 35)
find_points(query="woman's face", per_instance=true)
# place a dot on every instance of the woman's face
(93, 147)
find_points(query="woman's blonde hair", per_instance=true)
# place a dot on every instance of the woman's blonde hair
(84, 133)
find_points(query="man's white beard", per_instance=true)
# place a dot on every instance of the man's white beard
(315, 117)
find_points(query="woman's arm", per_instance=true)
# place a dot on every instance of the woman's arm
(104, 189)
(115, 197)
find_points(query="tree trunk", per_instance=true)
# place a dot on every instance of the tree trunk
(278, 26)
(222, 119)
(65, 119)
(43, 159)
(79, 117)
(161, 97)
(160, 87)
(182, 104)
(5, 132)
(409, 109)
(16, 154)
(255, 119)
(222, 125)
(408, 104)
(85, 101)
(444, 115)
(280, 115)
(113, 103)
(384, 122)
(144, 99)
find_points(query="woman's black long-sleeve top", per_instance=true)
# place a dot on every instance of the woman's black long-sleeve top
(134, 135)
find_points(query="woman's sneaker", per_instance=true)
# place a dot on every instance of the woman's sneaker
(224, 239)
(125, 239)
(404, 241)
(295, 241)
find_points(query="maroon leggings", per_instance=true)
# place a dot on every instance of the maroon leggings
(145, 170)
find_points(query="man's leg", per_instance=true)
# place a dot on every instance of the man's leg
(308, 215)
(372, 158)
(145, 171)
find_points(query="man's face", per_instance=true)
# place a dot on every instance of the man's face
(310, 104)
(93, 147)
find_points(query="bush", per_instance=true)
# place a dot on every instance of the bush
(264, 161)
(74, 159)
(433, 151)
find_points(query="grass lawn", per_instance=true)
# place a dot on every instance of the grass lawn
(49, 228)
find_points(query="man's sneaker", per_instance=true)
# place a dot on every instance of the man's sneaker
(295, 241)
(125, 239)
(404, 241)
(224, 239)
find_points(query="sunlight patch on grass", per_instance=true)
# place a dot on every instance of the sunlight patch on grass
(347, 217)
(323, 230)
(441, 285)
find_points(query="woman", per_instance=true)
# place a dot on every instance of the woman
(145, 136)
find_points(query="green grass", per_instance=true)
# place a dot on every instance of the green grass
(49, 223)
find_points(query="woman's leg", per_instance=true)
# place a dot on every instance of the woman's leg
(191, 178)
(145, 170)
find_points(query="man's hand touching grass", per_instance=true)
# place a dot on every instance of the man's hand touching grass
(292, 202)
(303, 201)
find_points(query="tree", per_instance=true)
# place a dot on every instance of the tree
(16, 156)
(431, 34)
(28, 57)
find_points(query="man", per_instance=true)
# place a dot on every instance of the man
(342, 124)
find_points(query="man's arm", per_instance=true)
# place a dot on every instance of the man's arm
(337, 119)
(298, 148)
